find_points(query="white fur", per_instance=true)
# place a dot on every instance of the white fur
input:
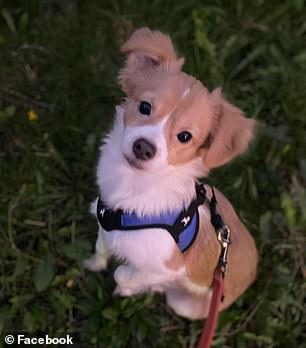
(185, 93)
(155, 135)
(192, 307)
(146, 252)
(98, 261)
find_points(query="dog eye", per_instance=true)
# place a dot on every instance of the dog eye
(144, 108)
(184, 137)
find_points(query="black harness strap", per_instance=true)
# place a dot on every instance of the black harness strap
(222, 231)
(178, 227)
(215, 218)
(175, 224)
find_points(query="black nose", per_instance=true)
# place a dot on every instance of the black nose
(143, 150)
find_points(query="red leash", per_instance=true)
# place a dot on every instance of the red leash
(211, 321)
(223, 235)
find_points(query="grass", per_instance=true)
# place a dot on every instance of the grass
(60, 59)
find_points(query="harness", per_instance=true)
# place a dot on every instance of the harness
(183, 226)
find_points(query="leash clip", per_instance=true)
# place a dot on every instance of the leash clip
(224, 239)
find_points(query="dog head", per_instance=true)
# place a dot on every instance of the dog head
(170, 118)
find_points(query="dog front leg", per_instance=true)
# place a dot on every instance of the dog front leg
(132, 281)
(98, 261)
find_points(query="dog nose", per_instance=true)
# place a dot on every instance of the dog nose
(143, 149)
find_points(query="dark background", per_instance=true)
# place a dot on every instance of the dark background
(58, 67)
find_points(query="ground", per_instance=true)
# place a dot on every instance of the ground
(58, 66)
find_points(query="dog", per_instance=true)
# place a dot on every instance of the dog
(168, 132)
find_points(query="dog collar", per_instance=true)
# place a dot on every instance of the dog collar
(183, 226)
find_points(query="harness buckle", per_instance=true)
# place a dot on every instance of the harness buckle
(223, 236)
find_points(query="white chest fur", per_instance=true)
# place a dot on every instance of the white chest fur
(145, 253)
(145, 248)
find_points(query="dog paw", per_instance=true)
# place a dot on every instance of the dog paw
(95, 263)
(157, 288)
(122, 292)
(122, 275)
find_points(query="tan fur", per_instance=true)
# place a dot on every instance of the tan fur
(193, 113)
(153, 44)
(146, 51)
(175, 261)
(202, 257)
(231, 133)
(152, 73)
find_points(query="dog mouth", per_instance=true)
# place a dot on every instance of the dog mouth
(133, 163)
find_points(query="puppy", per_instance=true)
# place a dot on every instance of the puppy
(169, 131)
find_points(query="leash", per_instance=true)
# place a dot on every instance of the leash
(223, 236)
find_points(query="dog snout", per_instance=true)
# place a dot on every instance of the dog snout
(143, 149)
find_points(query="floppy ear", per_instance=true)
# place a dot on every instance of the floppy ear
(147, 50)
(230, 135)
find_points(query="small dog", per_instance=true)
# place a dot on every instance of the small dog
(169, 131)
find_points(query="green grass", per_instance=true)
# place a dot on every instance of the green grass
(61, 59)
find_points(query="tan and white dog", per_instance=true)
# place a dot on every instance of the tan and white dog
(168, 132)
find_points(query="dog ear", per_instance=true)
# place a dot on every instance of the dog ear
(230, 135)
(147, 50)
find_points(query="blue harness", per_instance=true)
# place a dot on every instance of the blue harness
(183, 226)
